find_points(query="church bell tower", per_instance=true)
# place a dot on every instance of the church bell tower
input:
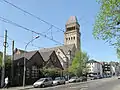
(72, 33)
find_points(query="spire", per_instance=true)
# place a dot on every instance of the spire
(72, 19)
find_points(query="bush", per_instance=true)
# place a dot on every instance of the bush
(51, 72)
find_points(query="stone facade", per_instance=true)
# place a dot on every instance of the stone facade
(72, 33)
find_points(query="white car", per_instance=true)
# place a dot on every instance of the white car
(43, 82)
(74, 79)
(59, 80)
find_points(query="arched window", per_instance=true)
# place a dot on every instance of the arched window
(74, 38)
(66, 39)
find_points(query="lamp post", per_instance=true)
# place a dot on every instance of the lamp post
(25, 60)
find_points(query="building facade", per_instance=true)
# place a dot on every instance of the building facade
(94, 67)
(106, 68)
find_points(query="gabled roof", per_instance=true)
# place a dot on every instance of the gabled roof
(19, 50)
(60, 59)
(27, 55)
(18, 56)
(46, 54)
(65, 48)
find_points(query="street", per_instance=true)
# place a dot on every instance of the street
(99, 84)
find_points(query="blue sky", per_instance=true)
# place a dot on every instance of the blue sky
(56, 12)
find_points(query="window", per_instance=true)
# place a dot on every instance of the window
(27, 73)
(66, 39)
(58, 52)
(69, 38)
(70, 28)
(74, 38)
(35, 72)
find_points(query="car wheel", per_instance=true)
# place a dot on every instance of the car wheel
(42, 85)
(52, 84)
(58, 83)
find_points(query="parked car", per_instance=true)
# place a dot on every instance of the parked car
(74, 79)
(104, 76)
(99, 77)
(84, 78)
(118, 77)
(93, 77)
(42, 82)
(59, 80)
(109, 76)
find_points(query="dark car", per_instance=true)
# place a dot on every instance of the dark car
(93, 77)
(84, 78)
(100, 77)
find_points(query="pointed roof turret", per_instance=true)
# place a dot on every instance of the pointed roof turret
(72, 19)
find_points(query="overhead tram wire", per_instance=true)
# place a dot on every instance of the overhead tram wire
(23, 42)
(27, 29)
(32, 15)
(19, 41)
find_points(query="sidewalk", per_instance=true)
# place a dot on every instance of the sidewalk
(19, 88)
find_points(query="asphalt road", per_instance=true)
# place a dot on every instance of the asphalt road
(113, 84)
(99, 84)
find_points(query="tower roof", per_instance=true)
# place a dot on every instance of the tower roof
(72, 19)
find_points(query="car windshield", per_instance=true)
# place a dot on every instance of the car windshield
(73, 77)
(41, 79)
(57, 78)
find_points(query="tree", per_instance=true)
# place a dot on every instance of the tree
(118, 52)
(79, 63)
(107, 22)
(8, 60)
(51, 72)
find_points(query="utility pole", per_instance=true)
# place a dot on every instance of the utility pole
(12, 58)
(4, 59)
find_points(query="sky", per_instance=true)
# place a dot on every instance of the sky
(56, 12)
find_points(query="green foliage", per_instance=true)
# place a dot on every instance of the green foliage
(8, 60)
(118, 53)
(105, 26)
(50, 72)
(79, 64)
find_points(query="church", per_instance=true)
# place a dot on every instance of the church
(72, 36)
(59, 57)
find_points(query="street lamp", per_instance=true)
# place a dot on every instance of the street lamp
(25, 60)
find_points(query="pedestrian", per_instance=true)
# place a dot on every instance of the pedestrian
(6, 82)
